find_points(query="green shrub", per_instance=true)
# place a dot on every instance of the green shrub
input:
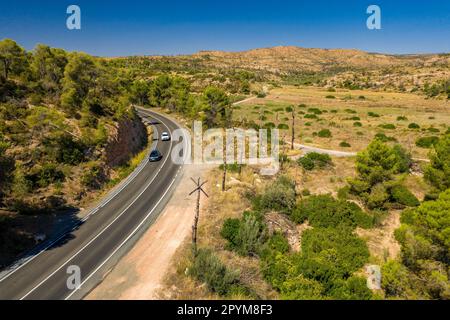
(306, 192)
(306, 163)
(357, 124)
(278, 243)
(373, 114)
(329, 254)
(233, 167)
(377, 197)
(314, 111)
(230, 231)
(324, 133)
(425, 251)
(310, 116)
(351, 111)
(413, 125)
(93, 175)
(65, 150)
(46, 175)
(270, 125)
(330, 97)
(208, 268)
(283, 126)
(345, 144)
(354, 288)
(388, 126)
(433, 130)
(403, 159)
(437, 173)
(402, 195)
(402, 118)
(384, 138)
(427, 142)
(278, 196)
(314, 160)
(325, 211)
(301, 288)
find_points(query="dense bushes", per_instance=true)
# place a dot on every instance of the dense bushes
(329, 253)
(427, 142)
(314, 160)
(278, 196)
(246, 235)
(384, 138)
(413, 125)
(6, 167)
(324, 133)
(208, 268)
(388, 126)
(425, 253)
(403, 196)
(437, 173)
(325, 211)
(93, 175)
(377, 167)
(44, 176)
(322, 270)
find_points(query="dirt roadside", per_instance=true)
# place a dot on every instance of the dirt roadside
(139, 274)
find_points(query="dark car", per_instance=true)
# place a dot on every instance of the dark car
(155, 155)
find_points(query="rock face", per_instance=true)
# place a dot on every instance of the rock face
(126, 140)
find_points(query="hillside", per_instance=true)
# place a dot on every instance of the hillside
(426, 74)
(67, 133)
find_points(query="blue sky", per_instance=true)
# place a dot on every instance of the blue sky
(147, 27)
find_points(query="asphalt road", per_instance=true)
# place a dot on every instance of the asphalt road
(102, 237)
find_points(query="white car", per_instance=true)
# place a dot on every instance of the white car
(165, 136)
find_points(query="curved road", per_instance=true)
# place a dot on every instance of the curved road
(97, 243)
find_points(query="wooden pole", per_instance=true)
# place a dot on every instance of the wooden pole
(198, 189)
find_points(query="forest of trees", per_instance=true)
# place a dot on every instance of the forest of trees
(55, 111)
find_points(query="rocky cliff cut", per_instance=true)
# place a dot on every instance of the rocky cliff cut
(128, 138)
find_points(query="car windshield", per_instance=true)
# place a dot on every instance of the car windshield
(154, 153)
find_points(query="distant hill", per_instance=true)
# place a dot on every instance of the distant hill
(288, 58)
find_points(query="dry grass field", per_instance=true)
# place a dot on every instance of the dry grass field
(346, 114)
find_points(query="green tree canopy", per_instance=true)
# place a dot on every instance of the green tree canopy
(12, 59)
(438, 172)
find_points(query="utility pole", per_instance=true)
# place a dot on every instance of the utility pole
(293, 128)
(199, 190)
